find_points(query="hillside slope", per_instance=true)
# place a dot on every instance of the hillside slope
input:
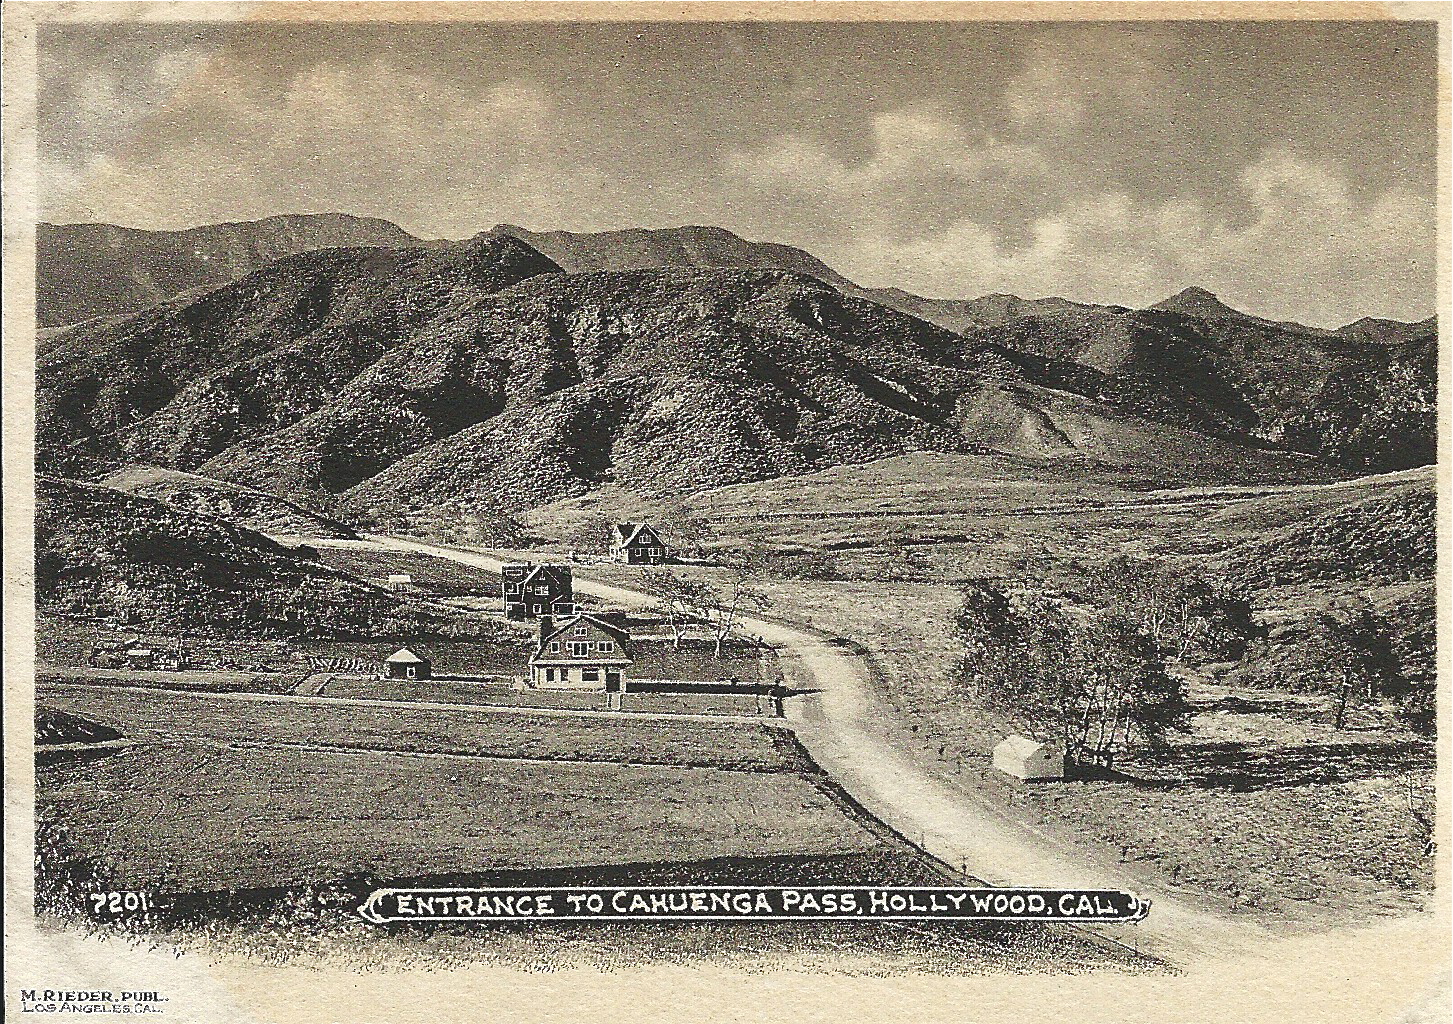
(478, 375)
(683, 248)
(100, 270)
(129, 559)
(245, 506)
(180, 382)
(1363, 397)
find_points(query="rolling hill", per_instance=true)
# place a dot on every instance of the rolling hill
(245, 506)
(117, 556)
(106, 555)
(419, 375)
(683, 248)
(1363, 397)
(178, 383)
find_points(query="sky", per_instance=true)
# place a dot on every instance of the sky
(1291, 168)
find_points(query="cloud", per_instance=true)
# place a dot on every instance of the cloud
(375, 137)
(1072, 76)
(907, 145)
(1304, 248)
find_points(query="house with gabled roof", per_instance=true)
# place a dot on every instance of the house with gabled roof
(530, 590)
(584, 652)
(637, 544)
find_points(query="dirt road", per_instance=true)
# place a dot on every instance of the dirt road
(843, 726)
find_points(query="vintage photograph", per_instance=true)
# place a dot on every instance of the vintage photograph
(862, 497)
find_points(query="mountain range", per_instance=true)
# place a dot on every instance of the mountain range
(515, 368)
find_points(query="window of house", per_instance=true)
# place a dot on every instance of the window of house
(542, 591)
(606, 647)
(512, 588)
(655, 552)
(580, 630)
(590, 675)
(411, 672)
(554, 646)
(578, 650)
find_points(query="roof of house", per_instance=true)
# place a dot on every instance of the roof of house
(626, 532)
(1019, 746)
(619, 635)
(560, 572)
(404, 656)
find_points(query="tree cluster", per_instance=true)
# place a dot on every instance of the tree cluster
(1181, 616)
(1097, 685)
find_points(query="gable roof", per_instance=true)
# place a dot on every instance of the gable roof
(1019, 746)
(626, 532)
(557, 573)
(404, 656)
(617, 634)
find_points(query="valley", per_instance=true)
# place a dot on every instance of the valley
(328, 451)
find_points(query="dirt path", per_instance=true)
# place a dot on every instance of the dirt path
(848, 733)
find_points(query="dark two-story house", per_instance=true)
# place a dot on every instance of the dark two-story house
(637, 544)
(534, 590)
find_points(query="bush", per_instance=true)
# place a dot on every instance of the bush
(1098, 687)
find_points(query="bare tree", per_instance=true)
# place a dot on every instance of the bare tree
(684, 532)
(1179, 614)
(677, 598)
(1422, 820)
(1351, 655)
(1097, 686)
(720, 607)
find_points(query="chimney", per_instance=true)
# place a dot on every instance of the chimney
(547, 626)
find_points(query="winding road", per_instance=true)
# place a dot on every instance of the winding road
(840, 721)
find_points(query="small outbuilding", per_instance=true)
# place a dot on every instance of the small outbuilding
(400, 582)
(1029, 760)
(405, 664)
(141, 658)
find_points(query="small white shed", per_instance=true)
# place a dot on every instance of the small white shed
(400, 582)
(1029, 760)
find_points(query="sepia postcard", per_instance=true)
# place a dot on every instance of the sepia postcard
(714, 512)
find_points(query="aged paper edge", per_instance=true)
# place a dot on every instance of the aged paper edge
(1398, 970)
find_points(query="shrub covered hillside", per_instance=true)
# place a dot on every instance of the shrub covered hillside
(1363, 396)
(245, 506)
(478, 374)
(180, 382)
(118, 557)
(1386, 538)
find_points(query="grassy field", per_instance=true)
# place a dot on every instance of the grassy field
(161, 715)
(268, 851)
(436, 577)
(1261, 805)
(185, 816)
(503, 695)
